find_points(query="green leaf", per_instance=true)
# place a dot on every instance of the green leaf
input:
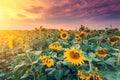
(66, 71)
(2, 74)
(69, 77)
(43, 77)
(76, 46)
(96, 59)
(84, 47)
(110, 75)
(59, 74)
(111, 61)
(91, 54)
(49, 69)
(20, 65)
(58, 64)
(116, 49)
(65, 62)
(71, 66)
(118, 75)
(37, 53)
(106, 45)
(115, 54)
(60, 58)
(26, 74)
(93, 46)
(52, 72)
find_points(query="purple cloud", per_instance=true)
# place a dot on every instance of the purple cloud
(96, 13)
(79, 9)
(85, 9)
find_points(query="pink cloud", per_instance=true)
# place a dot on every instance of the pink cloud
(35, 9)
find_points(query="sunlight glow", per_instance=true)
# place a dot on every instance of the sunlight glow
(1, 14)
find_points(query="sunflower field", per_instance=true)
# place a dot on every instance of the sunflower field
(52, 54)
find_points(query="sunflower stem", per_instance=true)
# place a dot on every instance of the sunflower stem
(78, 77)
(118, 59)
(77, 67)
(90, 66)
(32, 66)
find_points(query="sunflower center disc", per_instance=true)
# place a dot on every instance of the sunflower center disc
(113, 39)
(101, 52)
(82, 35)
(64, 35)
(74, 55)
(94, 78)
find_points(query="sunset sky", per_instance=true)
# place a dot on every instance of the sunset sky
(67, 14)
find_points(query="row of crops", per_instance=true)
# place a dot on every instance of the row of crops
(52, 54)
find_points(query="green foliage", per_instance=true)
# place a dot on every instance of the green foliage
(25, 64)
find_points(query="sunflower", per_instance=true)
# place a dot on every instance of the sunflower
(55, 46)
(113, 40)
(93, 77)
(83, 34)
(47, 61)
(64, 35)
(117, 37)
(74, 56)
(43, 59)
(81, 75)
(101, 52)
(77, 36)
(50, 63)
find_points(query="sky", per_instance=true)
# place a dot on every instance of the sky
(60, 14)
